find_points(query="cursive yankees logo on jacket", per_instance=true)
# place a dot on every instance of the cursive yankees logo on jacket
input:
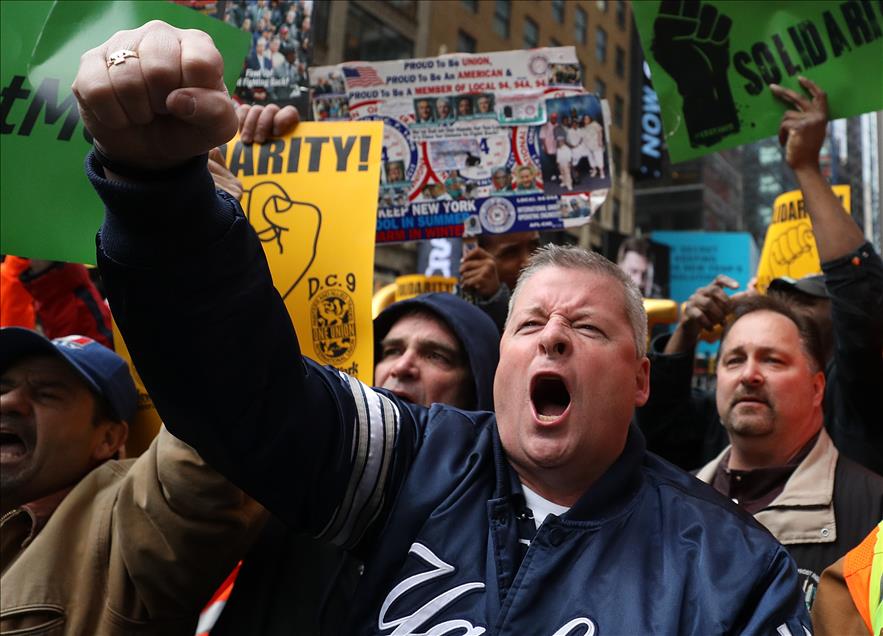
(410, 624)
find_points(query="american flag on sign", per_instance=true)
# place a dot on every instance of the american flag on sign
(357, 76)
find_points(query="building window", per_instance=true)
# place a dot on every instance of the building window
(765, 213)
(502, 13)
(531, 34)
(620, 62)
(618, 110)
(367, 38)
(769, 185)
(600, 87)
(580, 25)
(769, 154)
(472, 5)
(617, 211)
(620, 14)
(617, 159)
(465, 42)
(558, 10)
(602, 5)
(554, 42)
(601, 44)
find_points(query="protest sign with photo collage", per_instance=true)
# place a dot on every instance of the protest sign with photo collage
(275, 69)
(486, 143)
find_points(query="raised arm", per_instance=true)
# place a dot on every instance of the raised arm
(706, 309)
(802, 133)
(190, 289)
(854, 279)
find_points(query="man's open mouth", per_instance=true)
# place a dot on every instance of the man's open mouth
(550, 397)
(12, 447)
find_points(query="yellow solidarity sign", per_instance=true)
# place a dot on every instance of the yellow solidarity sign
(312, 200)
(789, 248)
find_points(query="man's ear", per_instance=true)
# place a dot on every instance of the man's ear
(642, 381)
(818, 386)
(110, 438)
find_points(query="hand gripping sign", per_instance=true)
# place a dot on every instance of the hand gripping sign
(311, 200)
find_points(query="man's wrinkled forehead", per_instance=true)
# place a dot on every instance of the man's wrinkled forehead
(752, 330)
(531, 290)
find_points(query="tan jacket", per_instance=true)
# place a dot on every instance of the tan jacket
(804, 511)
(137, 547)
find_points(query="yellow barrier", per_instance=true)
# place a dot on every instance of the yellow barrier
(660, 311)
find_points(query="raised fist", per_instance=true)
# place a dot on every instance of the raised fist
(155, 96)
(273, 213)
(691, 42)
(792, 245)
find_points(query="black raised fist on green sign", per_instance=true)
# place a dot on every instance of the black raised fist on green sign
(691, 41)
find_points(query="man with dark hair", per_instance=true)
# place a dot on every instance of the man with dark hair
(464, 106)
(781, 465)
(683, 425)
(633, 256)
(809, 297)
(466, 521)
(489, 271)
(153, 537)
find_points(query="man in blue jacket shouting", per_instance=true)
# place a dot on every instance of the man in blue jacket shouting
(546, 518)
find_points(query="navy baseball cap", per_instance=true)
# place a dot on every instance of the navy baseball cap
(104, 371)
(812, 285)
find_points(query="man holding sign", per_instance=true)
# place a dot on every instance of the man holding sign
(466, 521)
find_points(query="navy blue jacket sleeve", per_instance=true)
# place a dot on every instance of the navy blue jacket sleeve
(854, 395)
(191, 291)
(776, 605)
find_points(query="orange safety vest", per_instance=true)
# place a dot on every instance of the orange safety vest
(862, 571)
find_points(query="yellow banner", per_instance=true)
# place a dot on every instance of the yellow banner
(312, 199)
(789, 248)
(145, 424)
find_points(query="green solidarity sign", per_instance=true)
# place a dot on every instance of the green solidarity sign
(47, 207)
(711, 62)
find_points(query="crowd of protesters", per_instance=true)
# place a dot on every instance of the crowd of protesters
(501, 473)
(276, 64)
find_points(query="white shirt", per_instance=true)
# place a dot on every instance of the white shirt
(541, 507)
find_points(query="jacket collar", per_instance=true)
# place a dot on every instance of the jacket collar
(804, 511)
(21, 525)
(608, 496)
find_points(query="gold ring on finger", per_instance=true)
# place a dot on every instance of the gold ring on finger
(119, 57)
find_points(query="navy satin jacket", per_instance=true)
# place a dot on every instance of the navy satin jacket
(426, 497)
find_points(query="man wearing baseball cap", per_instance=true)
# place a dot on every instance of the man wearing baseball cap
(90, 544)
